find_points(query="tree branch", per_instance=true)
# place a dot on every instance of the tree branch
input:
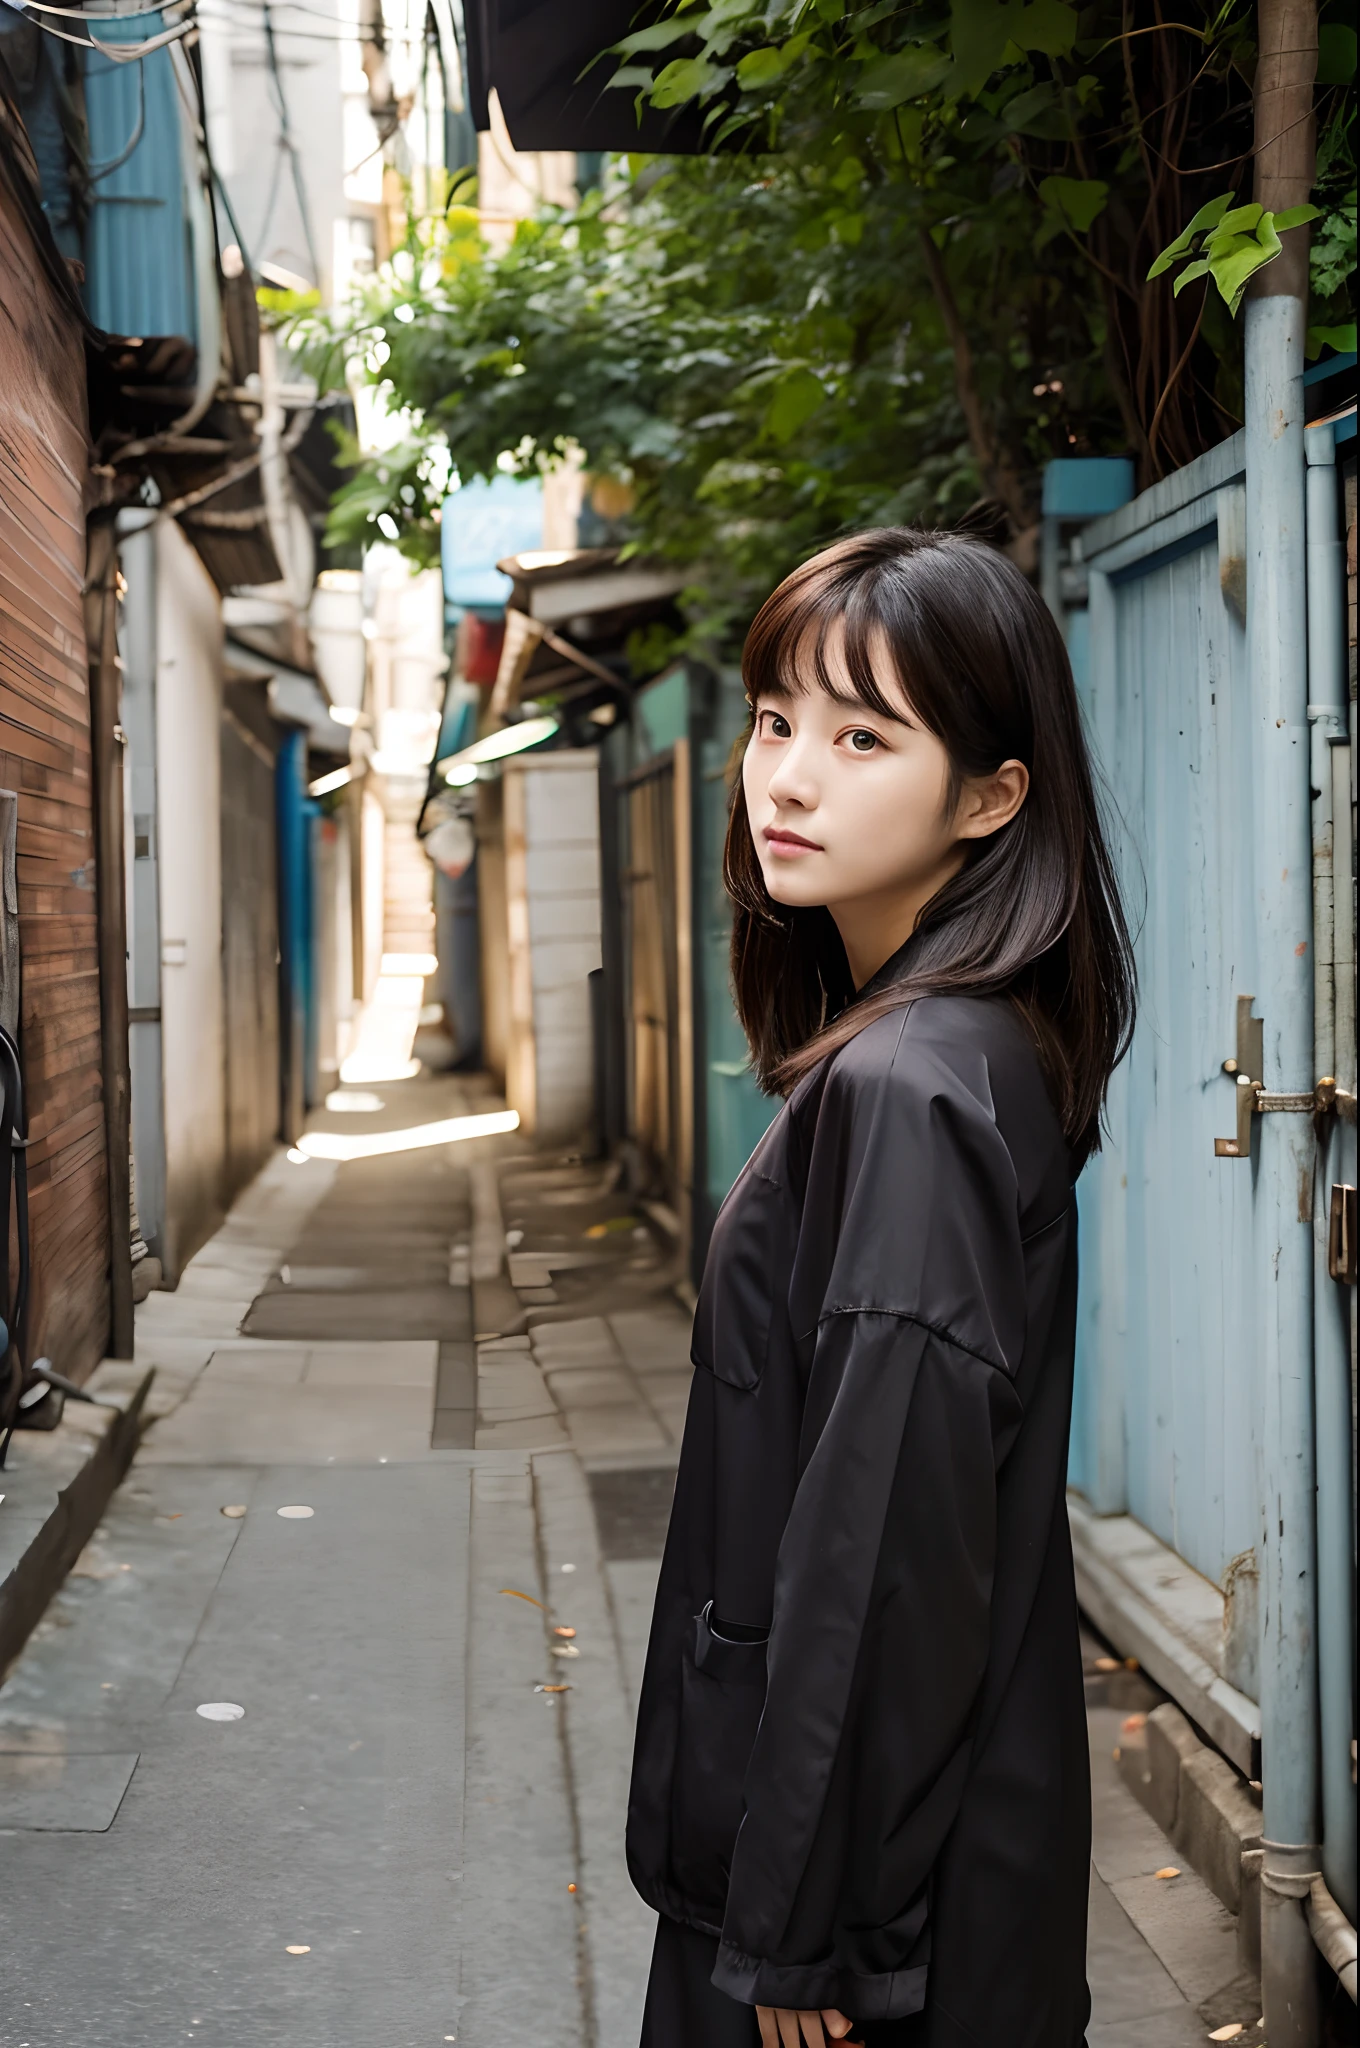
(997, 474)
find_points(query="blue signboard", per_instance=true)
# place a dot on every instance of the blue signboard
(482, 523)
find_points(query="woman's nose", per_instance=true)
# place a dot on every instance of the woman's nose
(793, 780)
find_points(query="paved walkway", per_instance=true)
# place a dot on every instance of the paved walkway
(464, 1369)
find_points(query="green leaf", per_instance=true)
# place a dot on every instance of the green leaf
(1049, 26)
(1331, 256)
(1079, 201)
(906, 76)
(1342, 339)
(760, 68)
(796, 397)
(1295, 217)
(1235, 259)
(686, 78)
(1030, 113)
(1241, 220)
(1190, 273)
(1208, 216)
(1336, 54)
(979, 31)
(658, 36)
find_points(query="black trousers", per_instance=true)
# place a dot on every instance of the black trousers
(685, 2010)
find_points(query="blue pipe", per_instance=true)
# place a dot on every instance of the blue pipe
(1331, 1303)
(1277, 629)
(295, 927)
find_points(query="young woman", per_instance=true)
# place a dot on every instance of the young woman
(860, 1796)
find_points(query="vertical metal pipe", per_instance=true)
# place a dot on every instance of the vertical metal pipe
(106, 748)
(1277, 663)
(1331, 1361)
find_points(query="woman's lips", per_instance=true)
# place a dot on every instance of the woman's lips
(788, 843)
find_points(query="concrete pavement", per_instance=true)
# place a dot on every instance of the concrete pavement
(469, 1363)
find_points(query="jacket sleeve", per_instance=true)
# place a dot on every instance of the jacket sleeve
(882, 1598)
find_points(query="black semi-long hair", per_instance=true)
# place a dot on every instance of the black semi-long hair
(1035, 913)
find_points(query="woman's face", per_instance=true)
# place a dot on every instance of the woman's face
(849, 808)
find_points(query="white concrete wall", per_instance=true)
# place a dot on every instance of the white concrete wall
(188, 779)
(562, 892)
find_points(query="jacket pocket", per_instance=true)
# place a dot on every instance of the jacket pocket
(722, 1698)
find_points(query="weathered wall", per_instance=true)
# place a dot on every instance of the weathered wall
(45, 757)
(188, 782)
(250, 935)
(552, 867)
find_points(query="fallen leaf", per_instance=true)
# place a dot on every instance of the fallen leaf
(514, 1594)
(560, 1630)
(295, 1514)
(1132, 1664)
(1228, 2033)
(302, 1948)
(235, 1512)
(1168, 1870)
(1107, 1664)
(171, 1518)
(1132, 1722)
(552, 1688)
(568, 1567)
(1116, 1754)
(221, 1710)
(571, 1887)
(565, 1650)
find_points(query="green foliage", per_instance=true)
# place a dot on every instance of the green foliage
(281, 308)
(1064, 131)
(758, 371)
(1230, 244)
(923, 260)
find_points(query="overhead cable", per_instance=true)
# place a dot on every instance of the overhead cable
(120, 53)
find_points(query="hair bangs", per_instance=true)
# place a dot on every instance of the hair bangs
(787, 652)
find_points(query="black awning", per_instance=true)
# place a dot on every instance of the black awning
(533, 53)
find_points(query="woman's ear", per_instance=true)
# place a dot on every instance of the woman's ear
(987, 802)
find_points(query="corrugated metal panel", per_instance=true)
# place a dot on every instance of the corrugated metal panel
(138, 264)
(1170, 1396)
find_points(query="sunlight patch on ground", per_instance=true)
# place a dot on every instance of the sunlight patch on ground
(448, 1131)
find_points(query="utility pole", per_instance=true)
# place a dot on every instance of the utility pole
(1277, 639)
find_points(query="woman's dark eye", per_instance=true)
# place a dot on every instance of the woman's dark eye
(864, 742)
(780, 727)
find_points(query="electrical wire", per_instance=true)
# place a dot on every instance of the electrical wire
(345, 33)
(121, 53)
(88, 13)
(287, 143)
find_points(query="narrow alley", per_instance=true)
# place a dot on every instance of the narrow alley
(656, 653)
(295, 1758)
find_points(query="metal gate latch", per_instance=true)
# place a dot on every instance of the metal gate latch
(1254, 1098)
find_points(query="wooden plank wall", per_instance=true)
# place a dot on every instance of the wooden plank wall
(45, 756)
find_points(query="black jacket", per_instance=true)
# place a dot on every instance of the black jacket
(887, 1805)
